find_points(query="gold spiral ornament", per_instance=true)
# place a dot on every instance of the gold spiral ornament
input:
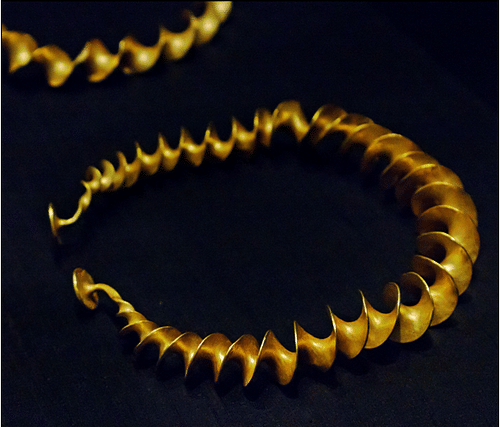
(132, 57)
(447, 243)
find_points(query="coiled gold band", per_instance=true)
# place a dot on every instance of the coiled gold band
(447, 244)
(132, 56)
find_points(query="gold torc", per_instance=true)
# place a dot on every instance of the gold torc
(447, 244)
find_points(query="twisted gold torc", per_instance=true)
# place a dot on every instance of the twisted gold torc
(447, 243)
(132, 56)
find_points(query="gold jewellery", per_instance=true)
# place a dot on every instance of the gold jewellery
(447, 243)
(132, 56)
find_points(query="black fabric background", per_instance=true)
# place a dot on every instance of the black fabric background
(250, 244)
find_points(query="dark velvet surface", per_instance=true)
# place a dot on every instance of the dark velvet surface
(245, 245)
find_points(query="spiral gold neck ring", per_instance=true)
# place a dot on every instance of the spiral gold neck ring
(447, 242)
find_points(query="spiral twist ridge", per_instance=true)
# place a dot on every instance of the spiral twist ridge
(447, 243)
(132, 56)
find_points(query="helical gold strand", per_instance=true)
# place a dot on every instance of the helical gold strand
(132, 56)
(447, 244)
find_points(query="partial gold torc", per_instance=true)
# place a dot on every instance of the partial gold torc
(132, 56)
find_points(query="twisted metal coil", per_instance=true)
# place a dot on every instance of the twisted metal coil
(447, 244)
(132, 56)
